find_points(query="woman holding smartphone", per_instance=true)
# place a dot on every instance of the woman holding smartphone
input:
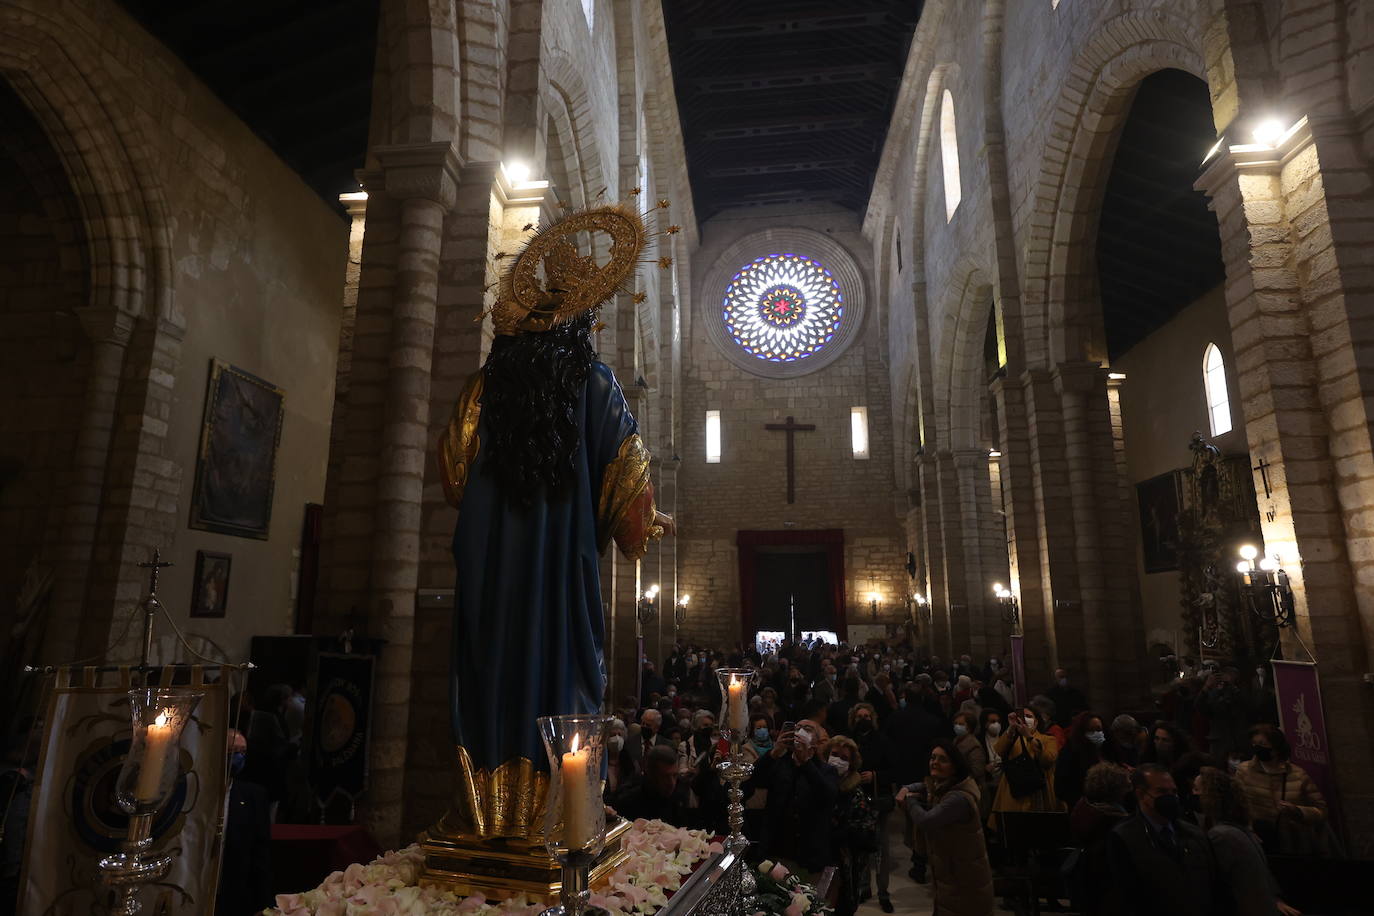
(949, 832)
(1025, 787)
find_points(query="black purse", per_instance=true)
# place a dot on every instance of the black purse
(1023, 773)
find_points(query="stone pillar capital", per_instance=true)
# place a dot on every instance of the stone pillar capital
(106, 324)
(1229, 160)
(425, 171)
(970, 457)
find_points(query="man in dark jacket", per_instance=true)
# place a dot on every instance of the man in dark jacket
(910, 731)
(1159, 862)
(245, 876)
(801, 800)
(875, 750)
(659, 795)
(1069, 701)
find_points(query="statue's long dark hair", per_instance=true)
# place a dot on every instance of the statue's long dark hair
(529, 400)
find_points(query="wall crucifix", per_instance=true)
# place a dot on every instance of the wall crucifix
(791, 427)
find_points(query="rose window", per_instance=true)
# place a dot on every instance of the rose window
(783, 307)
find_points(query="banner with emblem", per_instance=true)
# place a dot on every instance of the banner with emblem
(74, 820)
(1299, 696)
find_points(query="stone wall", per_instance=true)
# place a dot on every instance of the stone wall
(747, 489)
(199, 242)
(1038, 115)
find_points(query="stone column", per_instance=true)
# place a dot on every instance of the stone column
(1081, 387)
(109, 330)
(955, 636)
(1022, 531)
(1298, 305)
(423, 179)
(935, 635)
(981, 570)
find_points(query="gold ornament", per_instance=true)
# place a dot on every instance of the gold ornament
(569, 284)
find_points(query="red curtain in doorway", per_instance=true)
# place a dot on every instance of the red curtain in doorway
(749, 544)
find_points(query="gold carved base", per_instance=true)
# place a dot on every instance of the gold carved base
(502, 867)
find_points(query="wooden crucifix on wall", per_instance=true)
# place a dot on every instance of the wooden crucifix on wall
(791, 427)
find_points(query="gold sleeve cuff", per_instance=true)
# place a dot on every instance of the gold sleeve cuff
(458, 446)
(626, 510)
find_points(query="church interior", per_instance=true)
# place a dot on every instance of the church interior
(973, 352)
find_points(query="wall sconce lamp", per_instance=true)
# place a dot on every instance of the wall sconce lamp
(873, 599)
(922, 607)
(1011, 608)
(680, 610)
(1265, 587)
(647, 607)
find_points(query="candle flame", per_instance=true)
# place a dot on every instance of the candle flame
(576, 738)
(162, 719)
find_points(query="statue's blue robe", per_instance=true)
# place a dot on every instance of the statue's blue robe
(529, 625)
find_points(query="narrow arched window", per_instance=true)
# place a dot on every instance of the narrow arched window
(949, 154)
(1214, 382)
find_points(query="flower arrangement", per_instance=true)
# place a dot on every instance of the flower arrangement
(661, 857)
(779, 891)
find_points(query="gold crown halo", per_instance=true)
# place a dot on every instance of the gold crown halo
(572, 284)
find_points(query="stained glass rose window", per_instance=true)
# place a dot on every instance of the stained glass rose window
(782, 307)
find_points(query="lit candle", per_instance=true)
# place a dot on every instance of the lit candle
(158, 737)
(578, 822)
(737, 713)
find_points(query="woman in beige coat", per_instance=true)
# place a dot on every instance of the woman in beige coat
(948, 831)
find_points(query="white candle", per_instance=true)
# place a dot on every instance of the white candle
(159, 735)
(737, 713)
(578, 820)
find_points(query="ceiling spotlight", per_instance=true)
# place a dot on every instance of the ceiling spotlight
(517, 172)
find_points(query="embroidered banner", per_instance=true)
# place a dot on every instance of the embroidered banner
(74, 821)
(1299, 696)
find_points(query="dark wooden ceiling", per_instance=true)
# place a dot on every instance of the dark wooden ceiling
(784, 101)
(1158, 246)
(298, 72)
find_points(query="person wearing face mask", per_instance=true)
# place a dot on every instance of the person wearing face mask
(876, 779)
(1024, 738)
(990, 726)
(1240, 856)
(245, 878)
(970, 744)
(620, 762)
(1081, 753)
(854, 824)
(1159, 863)
(1289, 811)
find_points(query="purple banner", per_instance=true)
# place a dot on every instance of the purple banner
(1299, 697)
(1018, 668)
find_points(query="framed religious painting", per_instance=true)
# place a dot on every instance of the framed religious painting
(1158, 499)
(236, 467)
(210, 590)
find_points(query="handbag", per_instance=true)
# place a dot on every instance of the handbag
(1022, 772)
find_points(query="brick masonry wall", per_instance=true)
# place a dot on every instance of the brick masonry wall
(747, 489)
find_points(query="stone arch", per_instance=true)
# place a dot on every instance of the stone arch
(568, 102)
(958, 389)
(107, 163)
(919, 399)
(1059, 287)
(424, 89)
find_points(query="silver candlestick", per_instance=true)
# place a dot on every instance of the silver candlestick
(128, 870)
(734, 719)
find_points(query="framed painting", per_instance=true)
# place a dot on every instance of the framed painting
(1158, 499)
(236, 468)
(210, 591)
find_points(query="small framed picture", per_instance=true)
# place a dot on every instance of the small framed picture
(210, 593)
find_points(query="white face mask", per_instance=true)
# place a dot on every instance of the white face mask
(839, 763)
(960, 731)
(615, 743)
(994, 728)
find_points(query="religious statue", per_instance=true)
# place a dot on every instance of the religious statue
(544, 463)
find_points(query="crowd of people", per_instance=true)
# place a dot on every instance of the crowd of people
(1173, 811)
